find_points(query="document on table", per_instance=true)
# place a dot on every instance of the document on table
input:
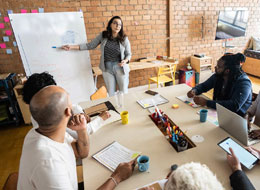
(150, 102)
(188, 101)
(114, 154)
(114, 116)
(156, 185)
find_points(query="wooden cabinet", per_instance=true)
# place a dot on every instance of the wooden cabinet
(23, 106)
(203, 66)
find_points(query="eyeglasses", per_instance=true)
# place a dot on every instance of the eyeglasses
(116, 23)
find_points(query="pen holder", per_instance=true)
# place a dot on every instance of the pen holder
(176, 146)
(182, 148)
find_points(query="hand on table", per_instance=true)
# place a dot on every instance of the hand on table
(77, 122)
(255, 134)
(233, 161)
(105, 115)
(124, 171)
(254, 152)
(200, 101)
(191, 93)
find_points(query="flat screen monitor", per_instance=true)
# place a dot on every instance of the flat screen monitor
(231, 24)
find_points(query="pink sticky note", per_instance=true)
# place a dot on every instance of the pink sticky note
(2, 45)
(8, 32)
(2, 25)
(6, 19)
(34, 11)
(23, 11)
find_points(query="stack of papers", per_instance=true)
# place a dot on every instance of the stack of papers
(114, 154)
(150, 102)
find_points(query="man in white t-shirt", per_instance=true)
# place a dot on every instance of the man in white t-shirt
(48, 155)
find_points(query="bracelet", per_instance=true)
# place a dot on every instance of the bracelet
(113, 179)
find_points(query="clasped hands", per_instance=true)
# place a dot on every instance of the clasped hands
(198, 100)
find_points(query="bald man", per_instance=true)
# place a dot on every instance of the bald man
(48, 155)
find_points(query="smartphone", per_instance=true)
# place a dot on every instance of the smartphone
(246, 158)
(151, 92)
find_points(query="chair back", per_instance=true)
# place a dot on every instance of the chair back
(171, 69)
(11, 182)
(100, 93)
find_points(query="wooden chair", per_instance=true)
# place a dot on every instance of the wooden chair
(162, 77)
(11, 182)
(100, 93)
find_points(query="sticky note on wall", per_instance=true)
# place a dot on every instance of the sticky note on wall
(6, 39)
(8, 32)
(2, 25)
(6, 19)
(23, 11)
(2, 45)
(9, 51)
(14, 43)
(34, 11)
(10, 11)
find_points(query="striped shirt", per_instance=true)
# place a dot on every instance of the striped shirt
(112, 51)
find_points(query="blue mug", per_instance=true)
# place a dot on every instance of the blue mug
(203, 115)
(143, 163)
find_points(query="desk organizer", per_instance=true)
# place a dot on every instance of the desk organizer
(170, 129)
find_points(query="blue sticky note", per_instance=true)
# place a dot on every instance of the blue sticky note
(80, 10)
(10, 11)
(6, 39)
(15, 44)
(0, 14)
(9, 51)
(41, 10)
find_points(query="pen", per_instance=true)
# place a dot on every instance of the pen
(56, 47)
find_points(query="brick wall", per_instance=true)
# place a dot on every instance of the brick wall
(186, 17)
(146, 23)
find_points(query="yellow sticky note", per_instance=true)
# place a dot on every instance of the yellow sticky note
(146, 105)
(175, 106)
(135, 155)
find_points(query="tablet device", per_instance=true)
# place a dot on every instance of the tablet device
(246, 158)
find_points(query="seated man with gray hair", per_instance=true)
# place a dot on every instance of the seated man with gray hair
(48, 155)
(192, 176)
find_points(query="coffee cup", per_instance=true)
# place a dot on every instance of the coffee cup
(203, 115)
(143, 163)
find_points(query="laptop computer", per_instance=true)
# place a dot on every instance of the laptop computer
(235, 125)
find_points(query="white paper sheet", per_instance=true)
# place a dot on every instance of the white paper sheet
(150, 102)
(114, 154)
(188, 101)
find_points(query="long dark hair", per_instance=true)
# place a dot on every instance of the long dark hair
(231, 62)
(108, 33)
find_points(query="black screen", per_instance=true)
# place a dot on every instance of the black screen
(231, 24)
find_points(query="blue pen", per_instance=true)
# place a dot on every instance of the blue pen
(55, 47)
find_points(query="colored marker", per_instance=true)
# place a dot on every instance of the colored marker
(56, 47)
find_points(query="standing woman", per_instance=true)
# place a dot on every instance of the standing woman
(115, 55)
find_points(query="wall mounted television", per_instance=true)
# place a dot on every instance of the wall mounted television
(231, 24)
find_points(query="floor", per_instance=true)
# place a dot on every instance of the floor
(11, 141)
(11, 138)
